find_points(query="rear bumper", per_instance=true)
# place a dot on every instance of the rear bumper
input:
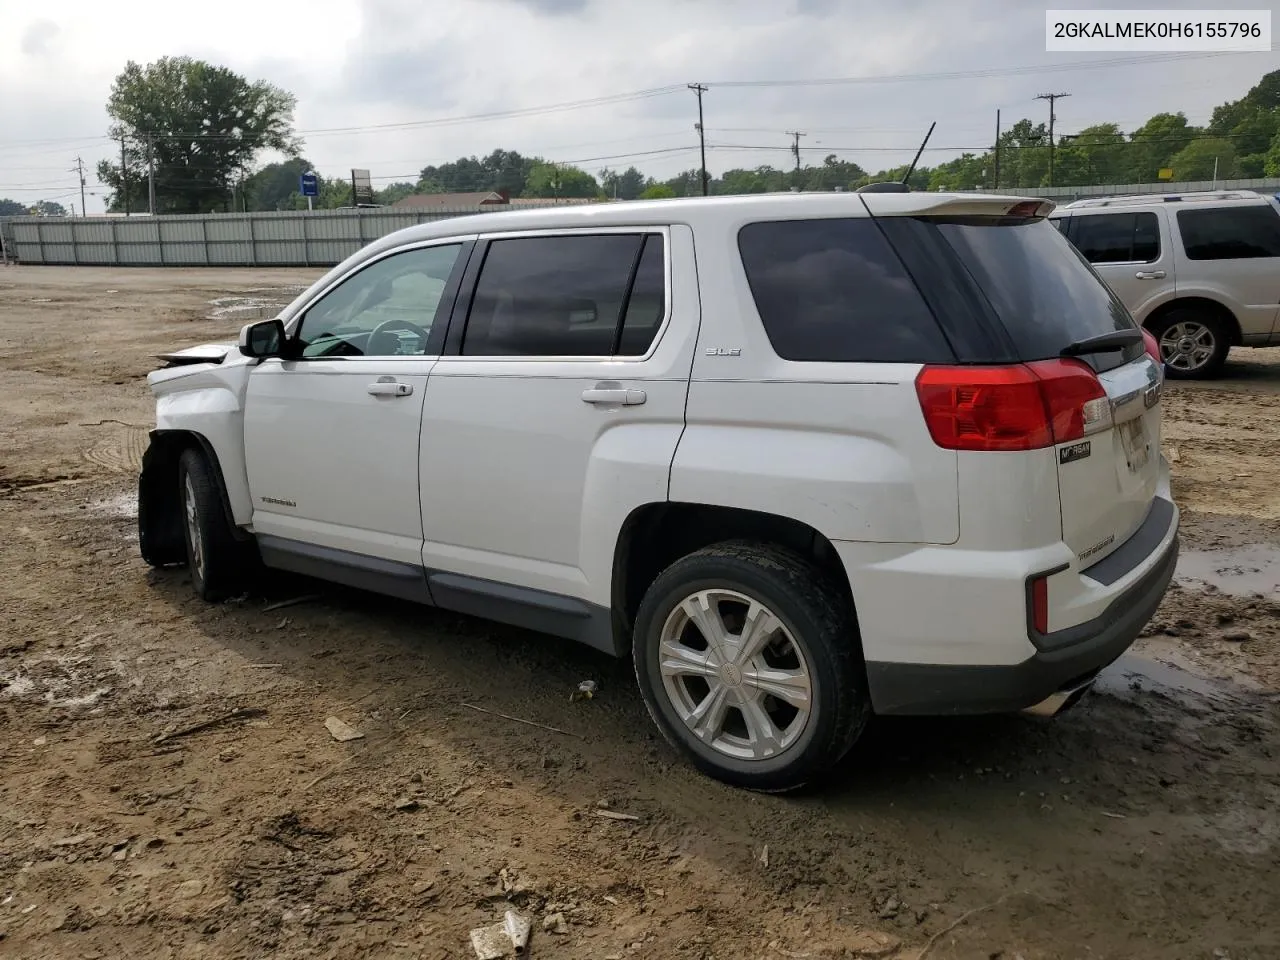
(937, 689)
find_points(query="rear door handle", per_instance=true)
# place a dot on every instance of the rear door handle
(1150, 274)
(606, 393)
(390, 388)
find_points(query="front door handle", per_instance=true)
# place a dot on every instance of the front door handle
(615, 393)
(390, 388)
(1150, 274)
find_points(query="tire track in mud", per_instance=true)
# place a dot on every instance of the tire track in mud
(121, 452)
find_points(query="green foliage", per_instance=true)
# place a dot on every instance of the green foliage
(202, 124)
(1199, 159)
(48, 208)
(556, 180)
(656, 191)
(11, 208)
(628, 185)
(393, 192)
(275, 186)
(502, 170)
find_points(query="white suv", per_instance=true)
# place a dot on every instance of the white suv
(803, 457)
(1201, 271)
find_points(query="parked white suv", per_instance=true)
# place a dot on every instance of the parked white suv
(803, 457)
(1201, 271)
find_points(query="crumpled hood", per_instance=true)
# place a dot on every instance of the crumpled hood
(204, 353)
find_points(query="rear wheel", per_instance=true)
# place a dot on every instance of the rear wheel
(215, 558)
(1193, 343)
(748, 660)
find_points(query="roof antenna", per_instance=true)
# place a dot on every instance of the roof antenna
(912, 169)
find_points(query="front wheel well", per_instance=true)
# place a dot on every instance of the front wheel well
(656, 535)
(1201, 305)
(159, 509)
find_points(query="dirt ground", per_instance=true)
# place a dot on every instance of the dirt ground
(1142, 824)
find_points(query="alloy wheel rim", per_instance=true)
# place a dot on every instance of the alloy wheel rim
(735, 675)
(1188, 345)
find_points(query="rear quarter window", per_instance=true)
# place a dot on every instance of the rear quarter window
(835, 290)
(1040, 288)
(1230, 233)
(1117, 237)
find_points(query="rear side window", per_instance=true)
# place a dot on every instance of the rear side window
(1117, 237)
(835, 290)
(1040, 288)
(1230, 233)
(593, 295)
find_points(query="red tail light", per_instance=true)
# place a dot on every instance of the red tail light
(1017, 407)
(1153, 347)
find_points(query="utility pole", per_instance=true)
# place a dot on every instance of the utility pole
(80, 173)
(795, 136)
(151, 176)
(700, 89)
(124, 176)
(1052, 98)
(996, 184)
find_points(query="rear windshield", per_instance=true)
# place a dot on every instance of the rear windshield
(1045, 295)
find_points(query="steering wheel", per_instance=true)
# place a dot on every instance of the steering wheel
(385, 327)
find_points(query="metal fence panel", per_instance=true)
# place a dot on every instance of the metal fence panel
(323, 238)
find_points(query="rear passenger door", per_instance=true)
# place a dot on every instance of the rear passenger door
(1131, 252)
(557, 405)
(1233, 254)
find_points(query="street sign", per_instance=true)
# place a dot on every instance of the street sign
(309, 184)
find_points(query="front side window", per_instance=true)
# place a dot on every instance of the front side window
(1117, 237)
(581, 295)
(1230, 233)
(385, 310)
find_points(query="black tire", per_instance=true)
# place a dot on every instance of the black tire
(819, 619)
(1214, 328)
(217, 560)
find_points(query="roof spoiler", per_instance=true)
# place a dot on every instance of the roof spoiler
(890, 186)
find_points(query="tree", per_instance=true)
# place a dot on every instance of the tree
(393, 192)
(1155, 142)
(202, 125)
(966, 172)
(1200, 159)
(275, 186)
(657, 191)
(557, 180)
(11, 208)
(48, 208)
(502, 170)
(628, 185)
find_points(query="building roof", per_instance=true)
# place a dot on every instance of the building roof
(450, 201)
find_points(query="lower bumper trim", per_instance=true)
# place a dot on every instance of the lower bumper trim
(923, 689)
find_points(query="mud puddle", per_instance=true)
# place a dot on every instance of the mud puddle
(1163, 669)
(1238, 571)
(253, 304)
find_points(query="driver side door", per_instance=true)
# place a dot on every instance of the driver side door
(331, 437)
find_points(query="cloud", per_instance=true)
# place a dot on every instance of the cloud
(36, 39)
(384, 65)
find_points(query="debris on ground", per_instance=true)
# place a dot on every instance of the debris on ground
(509, 935)
(615, 815)
(342, 731)
(586, 690)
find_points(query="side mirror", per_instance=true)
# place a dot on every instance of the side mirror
(263, 339)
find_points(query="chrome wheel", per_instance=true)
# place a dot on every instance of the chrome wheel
(1188, 345)
(735, 675)
(193, 526)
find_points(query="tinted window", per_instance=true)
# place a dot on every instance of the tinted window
(1230, 233)
(647, 304)
(556, 296)
(1041, 289)
(835, 290)
(1060, 223)
(387, 309)
(1117, 237)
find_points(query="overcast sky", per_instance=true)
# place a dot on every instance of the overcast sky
(370, 63)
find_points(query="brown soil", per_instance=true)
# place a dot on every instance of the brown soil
(1142, 824)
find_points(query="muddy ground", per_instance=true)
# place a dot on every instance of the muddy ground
(1143, 824)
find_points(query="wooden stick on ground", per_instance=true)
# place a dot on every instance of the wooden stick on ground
(530, 723)
(243, 714)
